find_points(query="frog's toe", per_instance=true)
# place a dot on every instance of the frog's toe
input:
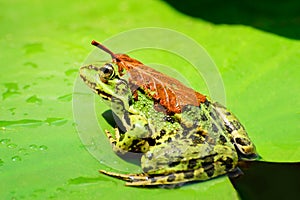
(110, 137)
(126, 177)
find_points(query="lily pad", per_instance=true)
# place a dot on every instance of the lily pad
(44, 43)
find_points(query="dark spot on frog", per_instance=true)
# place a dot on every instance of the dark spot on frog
(206, 103)
(200, 133)
(177, 136)
(227, 113)
(188, 174)
(171, 178)
(222, 139)
(207, 164)
(236, 125)
(242, 141)
(212, 115)
(210, 170)
(151, 141)
(169, 139)
(133, 126)
(158, 143)
(208, 160)
(228, 128)
(215, 128)
(203, 117)
(149, 155)
(173, 164)
(126, 117)
(192, 163)
(153, 180)
(227, 162)
(134, 142)
(196, 139)
(185, 132)
(131, 100)
(162, 133)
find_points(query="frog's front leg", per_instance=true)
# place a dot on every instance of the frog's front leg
(135, 139)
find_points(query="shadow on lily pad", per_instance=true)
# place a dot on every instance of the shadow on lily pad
(279, 17)
(268, 180)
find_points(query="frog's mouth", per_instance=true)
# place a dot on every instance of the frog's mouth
(103, 94)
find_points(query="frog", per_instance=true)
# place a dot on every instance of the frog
(182, 135)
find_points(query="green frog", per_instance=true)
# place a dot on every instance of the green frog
(183, 135)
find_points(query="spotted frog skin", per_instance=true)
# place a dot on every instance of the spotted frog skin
(181, 140)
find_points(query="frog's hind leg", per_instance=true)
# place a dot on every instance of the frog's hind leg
(178, 178)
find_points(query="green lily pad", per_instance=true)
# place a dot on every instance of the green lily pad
(44, 43)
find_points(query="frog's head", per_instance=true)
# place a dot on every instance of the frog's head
(108, 80)
(102, 79)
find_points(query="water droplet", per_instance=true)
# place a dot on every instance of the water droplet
(12, 110)
(34, 99)
(31, 64)
(12, 145)
(5, 141)
(22, 150)
(11, 89)
(33, 147)
(16, 158)
(43, 147)
(74, 124)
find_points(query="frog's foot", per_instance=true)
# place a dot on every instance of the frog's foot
(112, 140)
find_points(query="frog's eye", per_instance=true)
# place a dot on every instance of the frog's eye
(107, 72)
